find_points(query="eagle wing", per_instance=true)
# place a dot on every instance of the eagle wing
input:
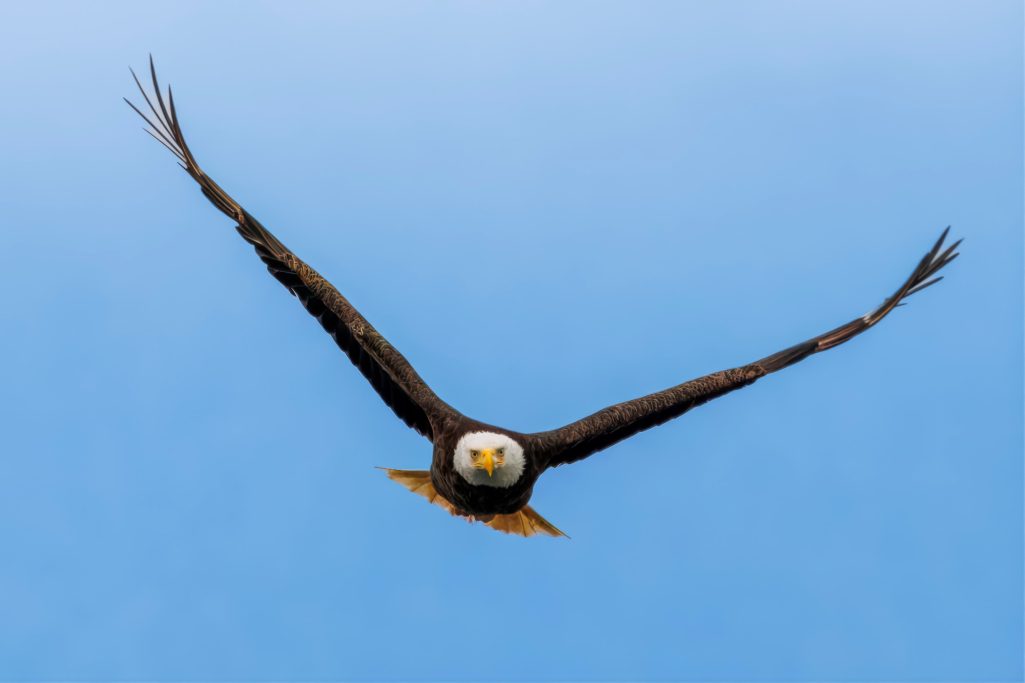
(621, 421)
(391, 375)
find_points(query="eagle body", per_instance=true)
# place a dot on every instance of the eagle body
(479, 500)
(479, 471)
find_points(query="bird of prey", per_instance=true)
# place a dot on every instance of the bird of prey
(480, 471)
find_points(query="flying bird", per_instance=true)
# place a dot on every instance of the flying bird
(480, 471)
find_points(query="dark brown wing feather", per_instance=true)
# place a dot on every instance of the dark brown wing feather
(388, 371)
(615, 423)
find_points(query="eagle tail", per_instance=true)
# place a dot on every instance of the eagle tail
(523, 522)
(419, 482)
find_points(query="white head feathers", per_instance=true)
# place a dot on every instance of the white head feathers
(503, 477)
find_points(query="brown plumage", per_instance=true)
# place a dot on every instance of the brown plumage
(513, 460)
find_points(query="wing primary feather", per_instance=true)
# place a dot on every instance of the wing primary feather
(920, 287)
(919, 279)
(156, 131)
(169, 148)
(145, 96)
(156, 91)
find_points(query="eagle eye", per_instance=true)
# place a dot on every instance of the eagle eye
(475, 454)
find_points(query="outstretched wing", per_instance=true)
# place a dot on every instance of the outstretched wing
(388, 371)
(621, 421)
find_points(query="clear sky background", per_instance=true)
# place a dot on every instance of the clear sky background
(548, 207)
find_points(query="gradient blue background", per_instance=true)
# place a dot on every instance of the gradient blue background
(548, 207)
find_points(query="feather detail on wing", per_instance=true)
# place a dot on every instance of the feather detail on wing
(621, 421)
(390, 374)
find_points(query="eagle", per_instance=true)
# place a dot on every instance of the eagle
(479, 471)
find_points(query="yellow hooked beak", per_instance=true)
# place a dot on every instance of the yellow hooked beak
(487, 461)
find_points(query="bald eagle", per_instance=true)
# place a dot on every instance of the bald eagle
(480, 471)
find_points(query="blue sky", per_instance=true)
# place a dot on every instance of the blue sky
(548, 207)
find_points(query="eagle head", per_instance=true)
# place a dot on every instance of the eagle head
(489, 459)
